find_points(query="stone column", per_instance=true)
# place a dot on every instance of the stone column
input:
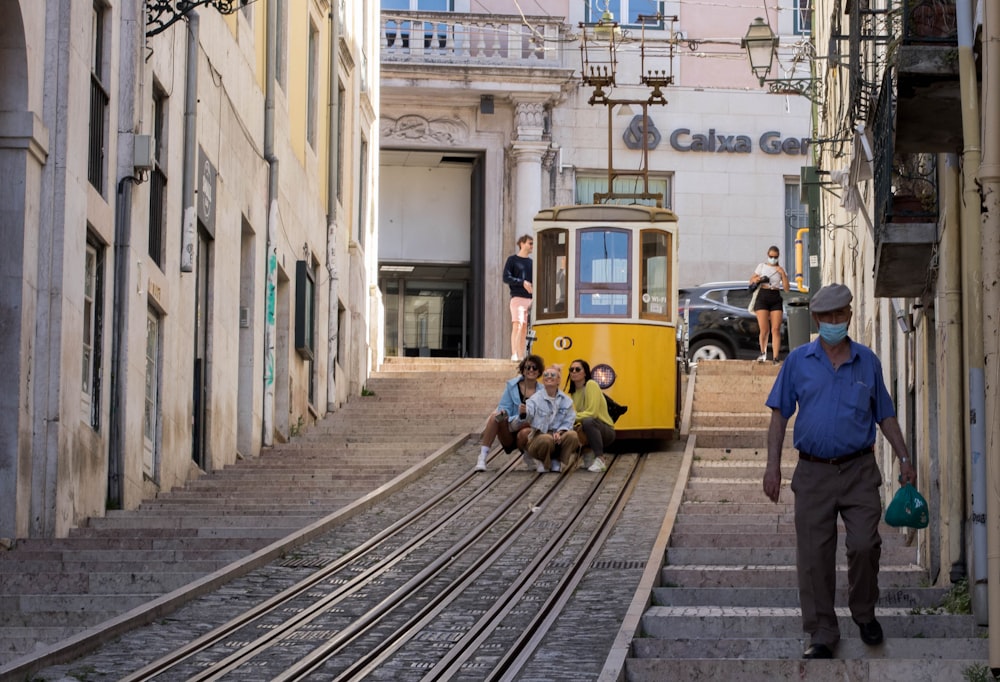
(528, 149)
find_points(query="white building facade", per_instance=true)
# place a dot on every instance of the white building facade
(484, 120)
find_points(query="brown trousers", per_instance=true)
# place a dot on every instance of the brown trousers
(822, 492)
(544, 448)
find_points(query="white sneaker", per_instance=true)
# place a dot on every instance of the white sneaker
(762, 358)
(556, 466)
(481, 464)
(513, 357)
(540, 468)
(598, 466)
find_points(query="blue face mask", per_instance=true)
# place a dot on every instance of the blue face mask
(833, 333)
(772, 260)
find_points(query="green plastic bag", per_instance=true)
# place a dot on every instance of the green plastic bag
(908, 508)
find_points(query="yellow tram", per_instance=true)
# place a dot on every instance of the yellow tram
(605, 290)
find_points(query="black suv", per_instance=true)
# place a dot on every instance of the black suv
(719, 326)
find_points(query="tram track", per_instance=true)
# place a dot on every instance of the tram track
(369, 608)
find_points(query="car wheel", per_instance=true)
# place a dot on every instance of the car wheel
(709, 349)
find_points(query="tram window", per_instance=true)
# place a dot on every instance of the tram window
(550, 289)
(604, 274)
(655, 249)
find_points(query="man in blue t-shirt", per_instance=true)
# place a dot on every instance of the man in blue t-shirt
(836, 386)
(517, 275)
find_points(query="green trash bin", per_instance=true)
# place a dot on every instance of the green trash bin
(798, 320)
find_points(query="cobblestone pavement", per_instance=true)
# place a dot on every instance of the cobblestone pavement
(575, 648)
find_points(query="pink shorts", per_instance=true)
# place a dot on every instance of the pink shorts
(519, 309)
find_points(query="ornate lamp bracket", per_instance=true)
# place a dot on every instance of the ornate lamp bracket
(162, 14)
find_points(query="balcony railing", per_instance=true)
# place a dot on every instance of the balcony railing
(929, 22)
(906, 207)
(471, 39)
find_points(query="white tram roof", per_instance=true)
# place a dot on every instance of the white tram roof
(608, 213)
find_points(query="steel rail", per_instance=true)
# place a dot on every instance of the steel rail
(207, 640)
(364, 624)
(361, 668)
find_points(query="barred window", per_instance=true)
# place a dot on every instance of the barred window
(93, 323)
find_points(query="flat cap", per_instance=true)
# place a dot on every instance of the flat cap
(831, 297)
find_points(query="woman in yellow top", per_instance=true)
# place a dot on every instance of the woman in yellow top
(591, 415)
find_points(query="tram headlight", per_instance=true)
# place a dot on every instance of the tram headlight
(604, 375)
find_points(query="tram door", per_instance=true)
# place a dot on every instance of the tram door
(426, 318)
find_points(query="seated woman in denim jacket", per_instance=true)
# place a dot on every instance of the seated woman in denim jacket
(591, 415)
(551, 443)
(512, 404)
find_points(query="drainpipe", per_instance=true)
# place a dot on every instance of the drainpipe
(973, 313)
(800, 257)
(333, 153)
(271, 263)
(190, 146)
(989, 182)
(948, 330)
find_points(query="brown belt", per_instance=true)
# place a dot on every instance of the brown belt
(836, 460)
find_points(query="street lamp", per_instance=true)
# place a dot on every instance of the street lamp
(760, 44)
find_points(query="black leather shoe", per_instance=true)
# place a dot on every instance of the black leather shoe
(871, 633)
(818, 651)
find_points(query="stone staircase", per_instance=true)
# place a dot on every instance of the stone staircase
(727, 604)
(51, 589)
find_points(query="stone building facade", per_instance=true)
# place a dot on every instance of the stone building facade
(485, 120)
(189, 241)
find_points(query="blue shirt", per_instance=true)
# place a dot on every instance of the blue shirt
(510, 399)
(837, 410)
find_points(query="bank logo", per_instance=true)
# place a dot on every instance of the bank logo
(633, 134)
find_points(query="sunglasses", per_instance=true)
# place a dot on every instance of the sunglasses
(550, 375)
(530, 368)
(575, 369)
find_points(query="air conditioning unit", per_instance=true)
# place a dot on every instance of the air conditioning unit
(244, 317)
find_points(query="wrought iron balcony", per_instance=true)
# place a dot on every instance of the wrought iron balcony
(471, 40)
(925, 58)
(906, 209)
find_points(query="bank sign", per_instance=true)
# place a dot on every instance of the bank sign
(714, 142)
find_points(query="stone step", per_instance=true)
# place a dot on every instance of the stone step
(200, 521)
(735, 420)
(706, 454)
(768, 556)
(778, 670)
(126, 560)
(260, 534)
(924, 598)
(739, 538)
(708, 575)
(106, 583)
(736, 368)
(121, 541)
(714, 622)
(751, 648)
(721, 438)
